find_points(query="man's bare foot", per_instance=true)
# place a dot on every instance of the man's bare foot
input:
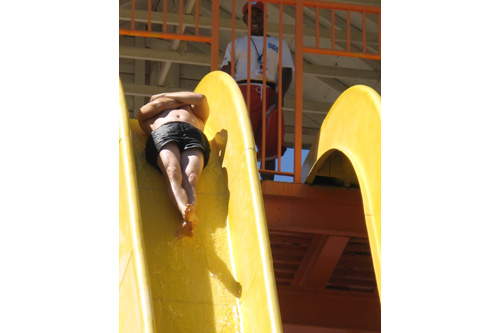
(186, 229)
(188, 213)
(190, 220)
(190, 216)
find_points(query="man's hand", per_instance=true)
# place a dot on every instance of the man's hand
(275, 100)
(226, 68)
(197, 101)
(186, 97)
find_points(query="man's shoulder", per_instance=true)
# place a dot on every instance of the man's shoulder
(238, 41)
(275, 41)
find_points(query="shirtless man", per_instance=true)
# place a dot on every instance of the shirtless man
(178, 147)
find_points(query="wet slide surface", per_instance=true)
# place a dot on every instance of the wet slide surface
(193, 285)
(220, 280)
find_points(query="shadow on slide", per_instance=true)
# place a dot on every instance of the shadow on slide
(352, 126)
(222, 279)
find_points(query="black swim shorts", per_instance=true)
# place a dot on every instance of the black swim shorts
(185, 135)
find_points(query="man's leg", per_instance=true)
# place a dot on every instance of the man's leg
(270, 165)
(192, 166)
(169, 162)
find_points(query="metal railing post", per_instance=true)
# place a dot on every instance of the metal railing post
(214, 63)
(299, 22)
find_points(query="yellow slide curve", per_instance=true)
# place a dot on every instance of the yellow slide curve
(222, 279)
(352, 126)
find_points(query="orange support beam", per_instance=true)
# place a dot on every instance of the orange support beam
(320, 260)
(154, 34)
(310, 209)
(333, 309)
(342, 53)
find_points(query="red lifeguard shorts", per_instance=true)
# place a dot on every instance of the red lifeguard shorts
(271, 121)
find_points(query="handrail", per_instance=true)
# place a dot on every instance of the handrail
(364, 51)
(299, 22)
(349, 9)
(213, 39)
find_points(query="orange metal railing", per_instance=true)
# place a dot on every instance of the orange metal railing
(299, 40)
(213, 40)
(349, 10)
(340, 46)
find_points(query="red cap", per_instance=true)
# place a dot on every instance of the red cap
(255, 4)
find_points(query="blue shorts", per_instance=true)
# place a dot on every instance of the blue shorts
(185, 135)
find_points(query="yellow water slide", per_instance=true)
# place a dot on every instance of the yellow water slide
(222, 279)
(352, 126)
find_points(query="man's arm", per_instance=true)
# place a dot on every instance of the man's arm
(227, 60)
(156, 106)
(148, 112)
(198, 102)
(286, 79)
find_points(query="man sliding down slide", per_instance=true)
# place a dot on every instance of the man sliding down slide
(177, 147)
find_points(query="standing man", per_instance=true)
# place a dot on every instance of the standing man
(259, 88)
(178, 147)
